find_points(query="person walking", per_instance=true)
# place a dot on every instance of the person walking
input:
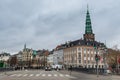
(70, 69)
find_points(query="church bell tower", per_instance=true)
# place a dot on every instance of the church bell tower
(89, 35)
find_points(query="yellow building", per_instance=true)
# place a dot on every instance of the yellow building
(81, 52)
(27, 56)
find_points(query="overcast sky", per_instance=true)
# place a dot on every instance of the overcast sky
(44, 24)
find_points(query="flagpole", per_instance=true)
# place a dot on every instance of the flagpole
(118, 63)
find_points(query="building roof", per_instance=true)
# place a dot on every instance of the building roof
(5, 54)
(41, 52)
(80, 42)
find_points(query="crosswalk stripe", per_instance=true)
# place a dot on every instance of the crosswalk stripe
(49, 75)
(55, 75)
(31, 75)
(37, 74)
(67, 75)
(25, 75)
(43, 75)
(61, 75)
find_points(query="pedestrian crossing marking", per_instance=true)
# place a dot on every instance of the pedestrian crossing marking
(25, 75)
(42, 75)
(31, 75)
(67, 75)
(61, 75)
(37, 75)
(49, 75)
(55, 75)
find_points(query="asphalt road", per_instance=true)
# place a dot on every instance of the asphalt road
(52, 75)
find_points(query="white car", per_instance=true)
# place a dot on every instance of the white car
(108, 71)
(57, 66)
(48, 69)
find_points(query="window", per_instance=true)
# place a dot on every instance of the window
(84, 61)
(88, 66)
(79, 61)
(79, 54)
(88, 61)
(84, 55)
(88, 55)
(84, 50)
(91, 51)
(79, 49)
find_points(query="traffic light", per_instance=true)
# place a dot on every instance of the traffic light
(97, 57)
(95, 47)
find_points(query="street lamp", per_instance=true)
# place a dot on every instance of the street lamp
(104, 53)
(72, 59)
(96, 59)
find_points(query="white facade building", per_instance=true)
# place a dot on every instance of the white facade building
(58, 57)
(4, 56)
(50, 59)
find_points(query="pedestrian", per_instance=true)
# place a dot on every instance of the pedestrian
(57, 68)
(70, 69)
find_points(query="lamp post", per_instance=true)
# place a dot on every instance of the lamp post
(104, 53)
(104, 57)
(96, 59)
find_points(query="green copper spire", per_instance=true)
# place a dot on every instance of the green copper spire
(88, 36)
(25, 46)
(88, 28)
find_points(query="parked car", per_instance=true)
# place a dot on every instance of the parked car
(57, 67)
(48, 68)
(108, 71)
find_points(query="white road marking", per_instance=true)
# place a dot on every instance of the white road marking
(67, 75)
(25, 75)
(31, 75)
(43, 75)
(37, 75)
(61, 75)
(55, 75)
(49, 75)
